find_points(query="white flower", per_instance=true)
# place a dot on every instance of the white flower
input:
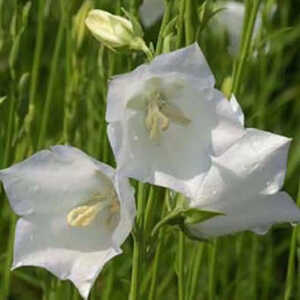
(151, 11)
(75, 213)
(113, 31)
(231, 19)
(244, 183)
(166, 119)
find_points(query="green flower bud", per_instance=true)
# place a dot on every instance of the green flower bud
(113, 31)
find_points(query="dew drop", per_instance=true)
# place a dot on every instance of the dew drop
(261, 230)
(294, 224)
(135, 137)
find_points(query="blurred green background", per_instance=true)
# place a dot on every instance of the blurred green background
(53, 84)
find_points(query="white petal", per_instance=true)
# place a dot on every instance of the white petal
(44, 189)
(182, 154)
(53, 180)
(74, 254)
(231, 19)
(127, 209)
(151, 11)
(255, 164)
(237, 110)
(187, 64)
(229, 124)
(189, 61)
(257, 214)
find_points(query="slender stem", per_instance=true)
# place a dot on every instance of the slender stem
(165, 21)
(239, 250)
(254, 263)
(50, 90)
(36, 57)
(189, 28)
(290, 278)
(180, 266)
(180, 28)
(196, 271)
(245, 47)
(137, 247)
(212, 271)
(153, 286)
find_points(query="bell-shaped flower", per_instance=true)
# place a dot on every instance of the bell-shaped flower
(244, 183)
(166, 119)
(75, 213)
(230, 19)
(150, 11)
(114, 31)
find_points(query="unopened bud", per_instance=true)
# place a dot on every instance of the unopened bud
(113, 31)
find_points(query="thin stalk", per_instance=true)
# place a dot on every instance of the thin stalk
(109, 280)
(153, 286)
(196, 271)
(239, 251)
(245, 47)
(53, 74)
(37, 55)
(189, 28)
(165, 21)
(253, 264)
(180, 266)
(290, 278)
(137, 247)
(7, 273)
(212, 271)
(180, 28)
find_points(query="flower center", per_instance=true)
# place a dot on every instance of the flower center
(160, 113)
(84, 215)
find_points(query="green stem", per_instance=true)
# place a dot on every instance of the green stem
(36, 57)
(189, 28)
(245, 47)
(180, 27)
(239, 251)
(180, 266)
(196, 271)
(290, 278)
(137, 247)
(153, 286)
(53, 74)
(212, 271)
(165, 21)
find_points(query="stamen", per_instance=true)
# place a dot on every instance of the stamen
(84, 215)
(160, 113)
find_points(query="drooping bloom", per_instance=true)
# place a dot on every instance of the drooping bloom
(166, 119)
(113, 31)
(151, 11)
(75, 213)
(230, 19)
(244, 183)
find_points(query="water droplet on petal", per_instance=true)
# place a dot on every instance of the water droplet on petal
(294, 224)
(261, 230)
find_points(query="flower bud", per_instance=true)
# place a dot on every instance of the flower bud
(113, 31)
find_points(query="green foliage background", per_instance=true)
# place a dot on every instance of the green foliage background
(53, 84)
